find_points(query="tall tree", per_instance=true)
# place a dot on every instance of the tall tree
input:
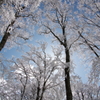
(74, 25)
(56, 19)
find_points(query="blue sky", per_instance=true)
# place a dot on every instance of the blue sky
(80, 68)
(17, 53)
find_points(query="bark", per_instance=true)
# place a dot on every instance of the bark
(67, 60)
(67, 78)
(67, 69)
(6, 35)
(38, 92)
(4, 40)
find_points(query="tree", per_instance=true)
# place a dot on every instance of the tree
(74, 26)
(56, 18)
(88, 27)
(32, 75)
(91, 20)
(84, 91)
(15, 18)
(88, 30)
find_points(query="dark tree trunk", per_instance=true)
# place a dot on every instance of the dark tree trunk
(6, 35)
(38, 91)
(67, 68)
(67, 78)
(67, 60)
(4, 40)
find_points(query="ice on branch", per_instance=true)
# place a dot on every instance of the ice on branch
(2, 81)
(65, 65)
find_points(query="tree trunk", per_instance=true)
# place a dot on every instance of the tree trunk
(6, 35)
(67, 78)
(4, 40)
(67, 60)
(67, 68)
(38, 92)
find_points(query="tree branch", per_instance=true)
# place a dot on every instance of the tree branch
(88, 44)
(54, 35)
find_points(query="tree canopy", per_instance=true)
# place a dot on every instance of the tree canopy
(45, 71)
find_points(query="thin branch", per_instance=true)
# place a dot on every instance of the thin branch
(88, 45)
(74, 42)
(54, 35)
(58, 18)
(91, 21)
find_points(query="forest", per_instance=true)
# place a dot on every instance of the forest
(40, 40)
